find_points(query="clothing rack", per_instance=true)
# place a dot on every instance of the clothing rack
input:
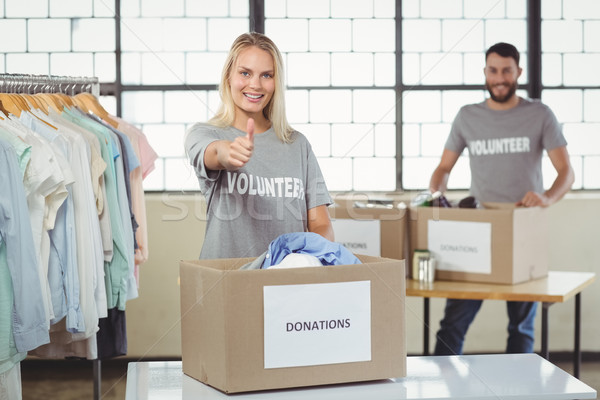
(32, 84)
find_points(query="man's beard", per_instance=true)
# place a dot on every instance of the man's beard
(512, 89)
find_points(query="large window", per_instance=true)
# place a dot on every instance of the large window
(373, 84)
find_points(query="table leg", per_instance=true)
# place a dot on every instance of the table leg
(97, 371)
(577, 352)
(545, 352)
(426, 326)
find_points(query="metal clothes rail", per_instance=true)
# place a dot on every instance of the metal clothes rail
(32, 84)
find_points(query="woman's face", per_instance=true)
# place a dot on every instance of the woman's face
(252, 82)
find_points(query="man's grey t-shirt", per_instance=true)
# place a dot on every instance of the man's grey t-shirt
(505, 147)
(269, 196)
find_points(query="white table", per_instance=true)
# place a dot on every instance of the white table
(557, 287)
(497, 376)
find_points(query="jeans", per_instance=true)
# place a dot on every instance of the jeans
(459, 314)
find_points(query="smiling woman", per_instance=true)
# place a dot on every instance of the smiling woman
(249, 141)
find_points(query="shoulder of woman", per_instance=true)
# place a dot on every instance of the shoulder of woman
(297, 137)
(202, 127)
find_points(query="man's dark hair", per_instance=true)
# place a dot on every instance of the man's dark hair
(504, 50)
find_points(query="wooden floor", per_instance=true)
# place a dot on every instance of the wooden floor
(73, 380)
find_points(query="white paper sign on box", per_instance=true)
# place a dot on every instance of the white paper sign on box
(358, 236)
(461, 245)
(317, 324)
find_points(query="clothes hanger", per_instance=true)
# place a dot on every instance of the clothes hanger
(4, 111)
(11, 103)
(90, 103)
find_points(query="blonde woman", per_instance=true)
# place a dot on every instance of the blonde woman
(260, 177)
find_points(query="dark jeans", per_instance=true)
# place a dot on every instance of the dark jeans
(459, 314)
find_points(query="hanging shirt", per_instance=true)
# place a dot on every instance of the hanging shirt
(116, 270)
(97, 169)
(27, 316)
(126, 218)
(147, 156)
(89, 255)
(45, 191)
(63, 271)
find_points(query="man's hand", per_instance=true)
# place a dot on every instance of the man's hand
(533, 199)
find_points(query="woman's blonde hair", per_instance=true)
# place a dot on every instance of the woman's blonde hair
(274, 111)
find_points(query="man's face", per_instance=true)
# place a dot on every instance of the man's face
(501, 74)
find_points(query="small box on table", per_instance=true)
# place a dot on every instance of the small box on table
(499, 243)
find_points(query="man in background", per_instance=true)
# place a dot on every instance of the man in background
(506, 136)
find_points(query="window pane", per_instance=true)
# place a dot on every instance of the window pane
(308, 69)
(562, 36)
(179, 175)
(591, 105)
(374, 174)
(185, 34)
(49, 35)
(28, 63)
(352, 140)
(206, 8)
(17, 31)
(72, 64)
(433, 139)
(351, 8)
(163, 68)
(581, 69)
(385, 69)
(374, 106)
(156, 8)
(187, 107)
(330, 106)
(104, 67)
(222, 32)
(143, 107)
(290, 35)
(204, 68)
(296, 102)
(583, 139)
(352, 69)
(329, 35)
(591, 179)
(385, 140)
(168, 138)
(141, 34)
(567, 105)
(422, 106)
(71, 8)
(319, 136)
(86, 35)
(26, 9)
(337, 173)
(373, 35)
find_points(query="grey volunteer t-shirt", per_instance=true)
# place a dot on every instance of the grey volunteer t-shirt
(505, 147)
(269, 196)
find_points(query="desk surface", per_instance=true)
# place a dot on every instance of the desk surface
(497, 376)
(557, 287)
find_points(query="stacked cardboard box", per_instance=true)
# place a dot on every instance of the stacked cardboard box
(372, 227)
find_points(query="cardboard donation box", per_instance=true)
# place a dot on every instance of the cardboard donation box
(373, 228)
(249, 330)
(495, 244)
